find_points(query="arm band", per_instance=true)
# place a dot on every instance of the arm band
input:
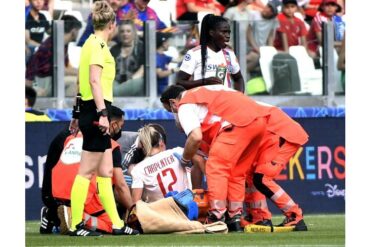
(184, 160)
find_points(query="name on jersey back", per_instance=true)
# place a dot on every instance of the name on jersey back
(154, 167)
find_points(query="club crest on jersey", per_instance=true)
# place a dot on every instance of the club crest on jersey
(187, 57)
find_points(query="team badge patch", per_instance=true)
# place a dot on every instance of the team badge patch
(187, 57)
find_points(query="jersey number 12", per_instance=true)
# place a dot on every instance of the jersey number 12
(167, 175)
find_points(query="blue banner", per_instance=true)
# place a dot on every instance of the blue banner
(314, 177)
(161, 114)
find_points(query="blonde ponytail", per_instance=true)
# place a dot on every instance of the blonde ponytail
(149, 139)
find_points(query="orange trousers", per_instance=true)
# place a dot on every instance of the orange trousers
(231, 156)
(271, 159)
(101, 222)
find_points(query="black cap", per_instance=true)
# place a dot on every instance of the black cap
(162, 37)
(290, 1)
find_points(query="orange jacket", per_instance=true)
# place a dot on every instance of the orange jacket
(232, 106)
(284, 126)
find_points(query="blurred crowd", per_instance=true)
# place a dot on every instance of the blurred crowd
(277, 23)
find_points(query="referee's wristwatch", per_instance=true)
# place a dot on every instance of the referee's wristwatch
(103, 113)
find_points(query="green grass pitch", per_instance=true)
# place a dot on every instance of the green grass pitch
(323, 230)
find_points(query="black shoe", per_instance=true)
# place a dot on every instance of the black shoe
(211, 218)
(83, 231)
(297, 222)
(46, 227)
(125, 230)
(300, 226)
(233, 224)
(265, 222)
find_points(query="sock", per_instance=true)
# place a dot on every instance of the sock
(78, 197)
(106, 196)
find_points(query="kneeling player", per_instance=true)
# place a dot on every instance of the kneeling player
(60, 170)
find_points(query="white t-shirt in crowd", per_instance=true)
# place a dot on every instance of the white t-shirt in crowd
(192, 63)
(261, 27)
(159, 174)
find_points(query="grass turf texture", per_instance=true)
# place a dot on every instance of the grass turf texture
(323, 230)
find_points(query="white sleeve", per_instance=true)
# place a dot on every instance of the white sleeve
(188, 117)
(137, 182)
(189, 63)
(178, 150)
(228, 14)
(234, 63)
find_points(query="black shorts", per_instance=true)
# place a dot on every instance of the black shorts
(93, 138)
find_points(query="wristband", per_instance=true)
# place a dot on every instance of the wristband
(103, 113)
(75, 113)
(184, 160)
(76, 108)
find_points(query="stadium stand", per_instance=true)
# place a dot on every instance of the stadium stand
(311, 78)
(266, 55)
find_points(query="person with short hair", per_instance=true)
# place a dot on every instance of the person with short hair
(239, 12)
(96, 74)
(261, 31)
(33, 115)
(282, 140)
(40, 69)
(61, 167)
(162, 61)
(232, 125)
(292, 30)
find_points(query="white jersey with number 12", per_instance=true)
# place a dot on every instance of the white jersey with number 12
(159, 174)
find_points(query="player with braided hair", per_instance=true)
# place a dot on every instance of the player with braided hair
(212, 62)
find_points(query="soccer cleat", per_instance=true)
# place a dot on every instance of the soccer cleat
(233, 224)
(83, 231)
(125, 230)
(46, 227)
(64, 215)
(297, 222)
